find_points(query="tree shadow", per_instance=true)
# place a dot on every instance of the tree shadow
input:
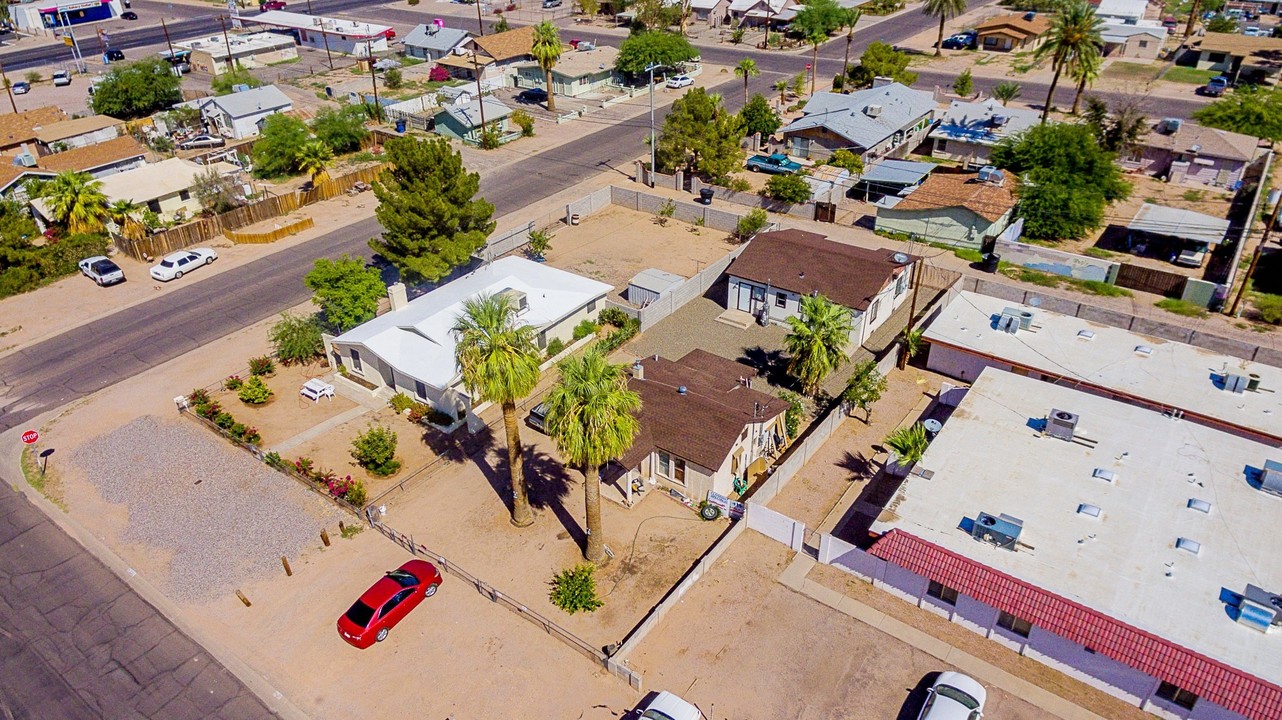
(547, 481)
(857, 464)
(769, 364)
(856, 523)
(458, 446)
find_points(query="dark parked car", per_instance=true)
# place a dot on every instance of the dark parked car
(961, 41)
(387, 602)
(114, 55)
(131, 15)
(532, 95)
(537, 417)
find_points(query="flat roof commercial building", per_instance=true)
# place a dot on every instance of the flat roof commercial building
(349, 37)
(210, 54)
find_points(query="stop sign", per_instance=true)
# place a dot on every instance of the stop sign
(30, 437)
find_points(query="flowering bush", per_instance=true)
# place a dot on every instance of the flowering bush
(199, 396)
(208, 409)
(233, 383)
(353, 491)
(261, 365)
(304, 466)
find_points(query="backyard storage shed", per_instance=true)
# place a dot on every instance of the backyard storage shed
(650, 285)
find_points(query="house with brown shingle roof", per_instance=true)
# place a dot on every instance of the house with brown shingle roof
(19, 128)
(1192, 154)
(99, 161)
(778, 268)
(493, 55)
(703, 428)
(955, 208)
(1240, 57)
(76, 132)
(1013, 31)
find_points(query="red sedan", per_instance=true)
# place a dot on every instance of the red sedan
(387, 602)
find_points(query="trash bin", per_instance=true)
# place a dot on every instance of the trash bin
(705, 195)
(990, 262)
(400, 125)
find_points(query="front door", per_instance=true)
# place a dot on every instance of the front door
(744, 301)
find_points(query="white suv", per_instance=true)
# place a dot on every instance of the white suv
(61, 77)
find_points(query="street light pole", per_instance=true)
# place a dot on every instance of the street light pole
(650, 69)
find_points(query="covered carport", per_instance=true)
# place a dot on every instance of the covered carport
(1184, 236)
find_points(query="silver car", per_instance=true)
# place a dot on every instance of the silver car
(101, 270)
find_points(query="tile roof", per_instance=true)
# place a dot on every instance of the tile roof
(703, 425)
(93, 156)
(1015, 21)
(17, 128)
(1210, 679)
(950, 190)
(63, 129)
(507, 45)
(848, 115)
(1208, 141)
(805, 262)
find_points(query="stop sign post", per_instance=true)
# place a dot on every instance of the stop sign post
(30, 437)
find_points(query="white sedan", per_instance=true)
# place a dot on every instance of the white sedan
(666, 706)
(680, 81)
(173, 265)
(101, 270)
(954, 697)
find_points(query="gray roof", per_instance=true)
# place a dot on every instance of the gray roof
(441, 40)
(255, 100)
(1119, 33)
(972, 122)
(848, 115)
(655, 280)
(1183, 224)
(897, 172)
(469, 115)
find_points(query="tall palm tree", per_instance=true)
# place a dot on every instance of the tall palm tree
(817, 340)
(816, 38)
(76, 201)
(314, 158)
(1074, 30)
(746, 69)
(1085, 69)
(1194, 11)
(499, 362)
(942, 9)
(122, 213)
(852, 16)
(546, 51)
(591, 414)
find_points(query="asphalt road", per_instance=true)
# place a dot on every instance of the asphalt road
(76, 643)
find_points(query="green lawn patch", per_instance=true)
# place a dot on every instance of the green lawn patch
(1189, 75)
(1099, 253)
(1097, 287)
(1182, 307)
(1131, 71)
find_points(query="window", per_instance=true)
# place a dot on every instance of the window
(901, 283)
(153, 205)
(941, 145)
(592, 306)
(942, 592)
(1216, 58)
(420, 389)
(781, 299)
(184, 194)
(1144, 43)
(665, 465)
(1016, 625)
(1175, 694)
(679, 471)
(872, 311)
(356, 360)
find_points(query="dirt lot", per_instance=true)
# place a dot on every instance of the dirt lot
(287, 413)
(617, 243)
(740, 645)
(461, 512)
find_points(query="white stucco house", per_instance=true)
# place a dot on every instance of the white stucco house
(410, 348)
(240, 115)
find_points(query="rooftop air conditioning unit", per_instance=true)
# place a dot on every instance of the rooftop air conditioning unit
(873, 111)
(1025, 316)
(460, 50)
(993, 176)
(1271, 478)
(1008, 324)
(1171, 125)
(998, 120)
(25, 159)
(1061, 424)
(1002, 531)
(518, 298)
(1260, 609)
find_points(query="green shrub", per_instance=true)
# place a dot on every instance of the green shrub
(555, 347)
(261, 365)
(375, 450)
(237, 430)
(254, 391)
(585, 328)
(739, 185)
(273, 459)
(252, 436)
(788, 188)
(525, 121)
(1098, 287)
(751, 224)
(401, 402)
(846, 159)
(224, 420)
(909, 443)
(355, 493)
(393, 79)
(574, 590)
(296, 338)
(616, 339)
(1268, 307)
(540, 243)
(613, 316)
(792, 416)
(233, 383)
(1182, 307)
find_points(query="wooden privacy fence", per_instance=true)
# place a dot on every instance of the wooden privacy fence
(1158, 282)
(271, 236)
(337, 186)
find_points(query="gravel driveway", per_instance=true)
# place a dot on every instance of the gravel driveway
(224, 517)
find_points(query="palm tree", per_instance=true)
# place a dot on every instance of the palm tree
(1194, 10)
(122, 212)
(314, 158)
(817, 342)
(546, 51)
(499, 362)
(943, 9)
(782, 87)
(1085, 69)
(746, 69)
(852, 16)
(76, 201)
(815, 38)
(1073, 31)
(1006, 91)
(591, 414)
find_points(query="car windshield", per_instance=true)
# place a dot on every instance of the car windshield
(360, 614)
(656, 715)
(403, 578)
(953, 693)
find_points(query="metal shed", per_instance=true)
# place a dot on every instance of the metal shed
(650, 285)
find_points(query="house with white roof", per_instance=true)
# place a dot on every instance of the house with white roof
(433, 41)
(241, 114)
(760, 12)
(164, 188)
(334, 35)
(1132, 41)
(410, 348)
(1130, 12)
(1124, 547)
(886, 120)
(217, 54)
(968, 131)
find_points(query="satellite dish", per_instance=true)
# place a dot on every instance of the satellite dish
(1035, 301)
(900, 258)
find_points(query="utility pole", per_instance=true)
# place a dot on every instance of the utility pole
(369, 56)
(480, 24)
(223, 21)
(480, 91)
(165, 27)
(1255, 257)
(324, 36)
(650, 69)
(8, 88)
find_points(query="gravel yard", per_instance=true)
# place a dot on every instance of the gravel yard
(221, 516)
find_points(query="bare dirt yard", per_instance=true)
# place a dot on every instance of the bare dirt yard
(617, 243)
(287, 413)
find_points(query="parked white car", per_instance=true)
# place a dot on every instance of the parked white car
(101, 270)
(954, 697)
(61, 77)
(666, 706)
(173, 265)
(680, 81)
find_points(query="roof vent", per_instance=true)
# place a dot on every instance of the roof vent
(1030, 15)
(1189, 546)
(1199, 505)
(1025, 316)
(1002, 531)
(1271, 478)
(1061, 424)
(1143, 350)
(873, 111)
(638, 370)
(1088, 510)
(1105, 474)
(681, 390)
(992, 176)
(1259, 609)
(1085, 334)
(998, 120)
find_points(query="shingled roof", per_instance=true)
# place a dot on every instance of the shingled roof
(805, 262)
(1211, 679)
(17, 128)
(90, 157)
(950, 190)
(507, 45)
(703, 424)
